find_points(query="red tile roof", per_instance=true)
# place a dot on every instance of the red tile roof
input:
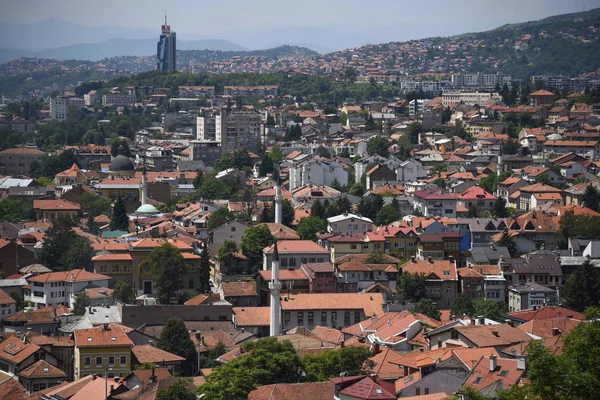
(483, 376)
(368, 389)
(74, 275)
(59, 204)
(101, 337)
(297, 246)
(147, 353)
(294, 391)
(547, 312)
(42, 369)
(436, 269)
(252, 316)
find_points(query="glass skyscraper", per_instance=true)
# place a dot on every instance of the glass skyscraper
(166, 49)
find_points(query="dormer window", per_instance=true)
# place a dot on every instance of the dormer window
(89, 339)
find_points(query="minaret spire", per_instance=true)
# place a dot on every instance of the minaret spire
(275, 288)
(144, 183)
(278, 198)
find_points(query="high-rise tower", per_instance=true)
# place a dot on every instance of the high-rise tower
(275, 288)
(166, 49)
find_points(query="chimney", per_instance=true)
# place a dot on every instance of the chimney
(508, 322)
(152, 377)
(451, 259)
(493, 363)
(376, 348)
(106, 328)
(555, 331)
(429, 260)
(412, 259)
(495, 333)
(521, 363)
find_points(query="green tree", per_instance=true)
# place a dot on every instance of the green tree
(582, 289)
(219, 217)
(489, 309)
(82, 301)
(79, 255)
(590, 197)
(323, 152)
(198, 178)
(387, 214)
(500, 210)
(226, 251)
(472, 211)
(255, 239)
(411, 287)
(175, 338)
(179, 390)
(506, 240)
(267, 361)
(119, 220)
(308, 227)
(212, 188)
(167, 266)
(204, 272)
(463, 305)
(318, 210)
(426, 306)
(94, 204)
(276, 155)
(267, 213)
(124, 293)
(343, 204)
(16, 210)
(378, 145)
(57, 243)
(330, 363)
(19, 299)
(288, 213)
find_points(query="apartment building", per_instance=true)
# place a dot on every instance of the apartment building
(240, 130)
(196, 91)
(102, 350)
(442, 279)
(251, 91)
(118, 100)
(433, 202)
(468, 98)
(317, 172)
(60, 105)
(18, 160)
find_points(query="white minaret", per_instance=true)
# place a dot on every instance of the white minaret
(275, 288)
(278, 203)
(144, 185)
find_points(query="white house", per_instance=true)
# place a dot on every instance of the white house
(348, 223)
(410, 171)
(62, 287)
(432, 202)
(317, 172)
(8, 305)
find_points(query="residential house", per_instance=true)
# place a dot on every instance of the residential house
(321, 277)
(40, 376)
(17, 161)
(51, 210)
(439, 246)
(240, 293)
(533, 174)
(589, 150)
(341, 244)
(317, 172)
(510, 185)
(492, 375)
(294, 253)
(13, 256)
(330, 309)
(293, 281)
(349, 223)
(8, 305)
(486, 255)
(102, 350)
(434, 202)
(231, 230)
(531, 195)
(17, 355)
(442, 279)
(541, 269)
(402, 241)
(358, 275)
(294, 391)
(362, 388)
(148, 354)
(62, 287)
(529, 295)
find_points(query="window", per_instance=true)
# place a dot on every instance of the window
(115, 268)
(233, 229)
(111, 360)
(98, 360)
(284, 262)
(86, 361)
(111, 374)
(292, 262)
(286, 316)
(417, 391)
(347, 318)
(323, 317)
(311, 260)
(311, 318)
(333, 317)
(304, 260)
(191, 284)
(353, 246)
(365, 245)
(123, 360)
(300, 317)
(320, 259)
(356, 316)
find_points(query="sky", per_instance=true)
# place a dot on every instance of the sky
(243, 20)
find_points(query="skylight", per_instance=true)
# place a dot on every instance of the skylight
(113, 339)
(477, 380)
(378, 391)
(89, 339)
(504, 373)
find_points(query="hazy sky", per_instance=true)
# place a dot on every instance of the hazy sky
(372, 21)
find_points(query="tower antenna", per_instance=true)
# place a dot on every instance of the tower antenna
(165, 16)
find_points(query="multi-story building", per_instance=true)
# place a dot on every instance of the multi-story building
(18, 160)
(90, 98)
(90, 156)
(206, 129)
(251, 91)
(196, 91)
(240, 130)
(206, 151)
(60, 106)
(439, 246)
(348, 223)
(102, 350)
(321, 277)
(159, 158)
(8, 305)
(433, 202)
(468, 98)
(330, 309)
(62, 287)
(442, 279)
(317, 172)
(478, 79)
(529, 295)
(294, 253)
(166, 49)
(589, 150)
(118, 100)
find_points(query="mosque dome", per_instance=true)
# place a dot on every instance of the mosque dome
(121, 163)
(146, 209)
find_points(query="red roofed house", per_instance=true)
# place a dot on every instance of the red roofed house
(434, 202)
(51, 210)
(14, 256)
(492, 375)
(442, 279)
(41, 375)
(363, 388)
(98, 349)
(17, 161)
(541, 98)
(477, 197)
(294, 253)
(62, 287)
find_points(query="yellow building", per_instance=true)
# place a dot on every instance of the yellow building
(102, 350)
(401, 241)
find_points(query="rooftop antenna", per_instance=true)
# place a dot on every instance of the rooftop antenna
(165, 16)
